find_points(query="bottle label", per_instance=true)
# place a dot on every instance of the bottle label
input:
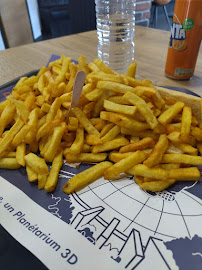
(178, 34)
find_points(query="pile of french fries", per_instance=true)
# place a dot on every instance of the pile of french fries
(121, 123)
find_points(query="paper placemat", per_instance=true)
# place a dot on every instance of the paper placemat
(114, 220)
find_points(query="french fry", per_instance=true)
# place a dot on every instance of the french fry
(6, 116)
(182, 158)
(123, 121)
(54, 142)
(19, 137)
(106, 129)
(124, 164)
(9, 163)
(158, 152)
(142, 170)
(86, 177)
(99, 104)
(78, 143)
(186, 123)
(131, 70)
(111, 134)
(7, 140)
(143, 108)
(185, 174)
(20, 154)
(47, 128)
(32, 175)
(93, 139)
(37, 164)
(20, 106)
(83, 120)
(167, 116)
(94, 95)
(110, 145)
(113, 107)
(141, 134)
(157, 186)
(54, 172)
(116, 156)
(139, 145)
(103, 67)
(85, 157)
(42, 179)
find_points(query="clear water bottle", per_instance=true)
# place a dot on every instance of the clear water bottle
(115, 32)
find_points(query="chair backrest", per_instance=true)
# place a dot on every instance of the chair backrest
(16, 23)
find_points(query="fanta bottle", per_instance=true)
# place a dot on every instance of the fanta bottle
(185, 39)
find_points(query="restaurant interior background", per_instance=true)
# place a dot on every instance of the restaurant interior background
(27, 21)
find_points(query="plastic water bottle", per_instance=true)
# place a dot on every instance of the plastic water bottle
(115, 32)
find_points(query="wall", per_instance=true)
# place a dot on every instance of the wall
(143, 8)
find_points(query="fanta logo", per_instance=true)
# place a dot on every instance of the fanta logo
(178, 37)
(177, 32)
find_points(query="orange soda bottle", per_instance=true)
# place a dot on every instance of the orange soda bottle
(185, 39)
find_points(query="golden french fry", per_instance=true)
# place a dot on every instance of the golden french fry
(42, 181)
(7, 116)
(186, 123)
(116, 156)
(113, 107)
(134, 139)
(92, 139)
(29, 101)
(110, 145)
(139, 145)
(185, 174)
(124, 164)
(47, 128)
(101, 76)
(167, 116)
(9, 163)
(124, 121)
(21, 108)
(32, 175)
(84, 121)
(159, 149)
(78, 143)
(19, 137)
(141, 134)
(20, 154)
(85, 157)
(197, 133)
(169, 166)
(143, 170)
(143, 108)
(103, 67)
(106, 129)
(187, 148)
(54, 172)
(53, 110)
(131, 70)
(86, 177)
(111, 134)
(181, 158)
(114, 87)
(7, 140)
(36, 163)
(157, 186)
(73, 124)
(94, 95)
(55, 140)
(99, 104)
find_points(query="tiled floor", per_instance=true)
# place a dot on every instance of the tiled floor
(162, 22)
